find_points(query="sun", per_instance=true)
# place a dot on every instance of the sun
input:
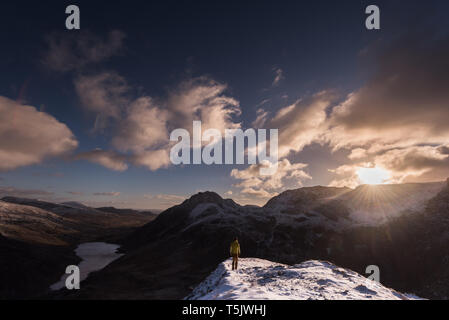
(374, 175)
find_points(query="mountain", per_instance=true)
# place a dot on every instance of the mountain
(74, 204)
(378, 204)
(27, 269)
(125, 211)
(258, 279)
(184, 244)
(34, 225)
(365, 205)
(38, 238)
(89, 223)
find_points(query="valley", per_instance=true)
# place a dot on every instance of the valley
(399, 228)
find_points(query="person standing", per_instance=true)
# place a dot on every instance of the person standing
(235, 253)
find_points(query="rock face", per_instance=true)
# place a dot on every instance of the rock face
(166, 258)
(258, 279)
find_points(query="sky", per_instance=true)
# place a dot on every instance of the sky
(86, 115)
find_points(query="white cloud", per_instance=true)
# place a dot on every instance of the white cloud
(28, 136)
(301, 123)
(108, 159)
(201, 99)
(144, 127)
(107, 194)
(260, 119)
(153, 159)
(164, 200)
(254, 184)
(141, 126)
(357, 153)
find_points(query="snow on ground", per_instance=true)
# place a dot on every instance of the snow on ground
(258, 279)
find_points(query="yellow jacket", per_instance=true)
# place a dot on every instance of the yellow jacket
(235, 248)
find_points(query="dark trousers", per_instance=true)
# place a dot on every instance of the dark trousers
(235, 262)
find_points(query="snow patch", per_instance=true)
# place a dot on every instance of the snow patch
(258, 279)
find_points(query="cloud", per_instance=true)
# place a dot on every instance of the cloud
(410, 164)
(104, 95)
(138, 127)
(279, 75)
(164, 200)
(357, 153)
(254, 184)
(153, 159)
(108, 159)
(346, 175)
(260, 119)
(144, 127)
(28, 136)
(74, 51)
(141, 126)
(301, 123)
(202, 99)
(259, 193)
(16, 192)
(107, 194)
(398, 120)
(404, 104)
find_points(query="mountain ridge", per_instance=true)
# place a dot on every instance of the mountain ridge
(198, 231)
(258, 279)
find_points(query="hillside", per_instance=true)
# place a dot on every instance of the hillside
(37, 240)
(258, 279)
(83, 222)
(166, 258)
(34, 225)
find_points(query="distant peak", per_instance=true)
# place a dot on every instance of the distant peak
(306, 194)
(74, 204)
(205, 197)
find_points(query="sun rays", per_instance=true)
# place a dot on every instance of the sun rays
(373, 176)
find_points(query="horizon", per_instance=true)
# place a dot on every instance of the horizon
(86, 115)
(160, 210)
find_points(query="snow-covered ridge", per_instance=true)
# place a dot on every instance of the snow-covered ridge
(327, 207)
(259, 279)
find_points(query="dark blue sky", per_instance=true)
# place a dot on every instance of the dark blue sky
(318, 45)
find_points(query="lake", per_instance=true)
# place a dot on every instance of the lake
(95, 256)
